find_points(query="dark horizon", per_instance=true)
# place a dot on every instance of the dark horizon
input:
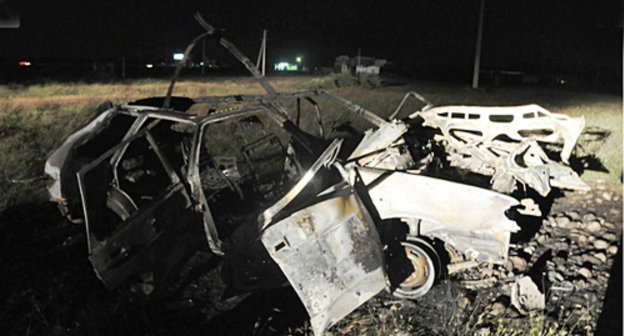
(537, 36)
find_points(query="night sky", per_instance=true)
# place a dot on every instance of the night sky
(517, 34)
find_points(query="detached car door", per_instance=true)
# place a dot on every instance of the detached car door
(327, 247)
(139, 220)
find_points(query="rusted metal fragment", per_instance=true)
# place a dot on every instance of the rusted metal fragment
(468, 218)
(331, 254)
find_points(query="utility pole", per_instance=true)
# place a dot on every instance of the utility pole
(123, 66)
(358, 63)
(262, 53)
(477, 62)
(203, 59)
(264, 39)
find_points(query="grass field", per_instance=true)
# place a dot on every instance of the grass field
(35, 119)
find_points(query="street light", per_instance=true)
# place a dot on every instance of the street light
(298, 59)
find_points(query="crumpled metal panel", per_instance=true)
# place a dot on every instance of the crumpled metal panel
(331, 254)
(56, 160)
(395, 157)
(324, 160)
(379, 139)
(516, 122)
(470, 219)
(492, 140)
(530, 165)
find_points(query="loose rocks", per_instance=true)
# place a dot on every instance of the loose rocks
(593, 226)
(601, 244)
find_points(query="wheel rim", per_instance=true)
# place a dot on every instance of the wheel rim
(421, 270)
(423, 260)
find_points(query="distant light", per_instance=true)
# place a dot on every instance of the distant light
(298, 59)
(281, 66)
(178, 56)
(285, 66)
(23, 63)
(149, 65)
(201, 63)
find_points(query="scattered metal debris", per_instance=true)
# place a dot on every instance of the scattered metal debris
(502, 142)
(154, 182)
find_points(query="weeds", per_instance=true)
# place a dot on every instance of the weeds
(343, 80)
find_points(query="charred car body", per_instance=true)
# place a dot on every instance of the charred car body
(339, 216)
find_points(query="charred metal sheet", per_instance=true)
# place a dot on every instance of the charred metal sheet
(56, 160)
(530, 165)
(394, 157)
(502, 142)
(331, 254)
(379, 139)
(325, 160)
(468, 218)
(135, 241)
(470, 125)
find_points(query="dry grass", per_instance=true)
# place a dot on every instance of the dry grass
(35, 119)
(121, 92)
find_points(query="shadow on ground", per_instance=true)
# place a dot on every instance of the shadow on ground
(610, 321)
(49, 288)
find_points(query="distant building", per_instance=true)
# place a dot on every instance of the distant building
(342, 63)
(359, 64)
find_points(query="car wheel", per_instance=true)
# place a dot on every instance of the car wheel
(426, 269)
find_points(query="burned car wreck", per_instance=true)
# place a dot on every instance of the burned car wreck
(339, 216)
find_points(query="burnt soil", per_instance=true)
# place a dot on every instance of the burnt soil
(49, 288)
